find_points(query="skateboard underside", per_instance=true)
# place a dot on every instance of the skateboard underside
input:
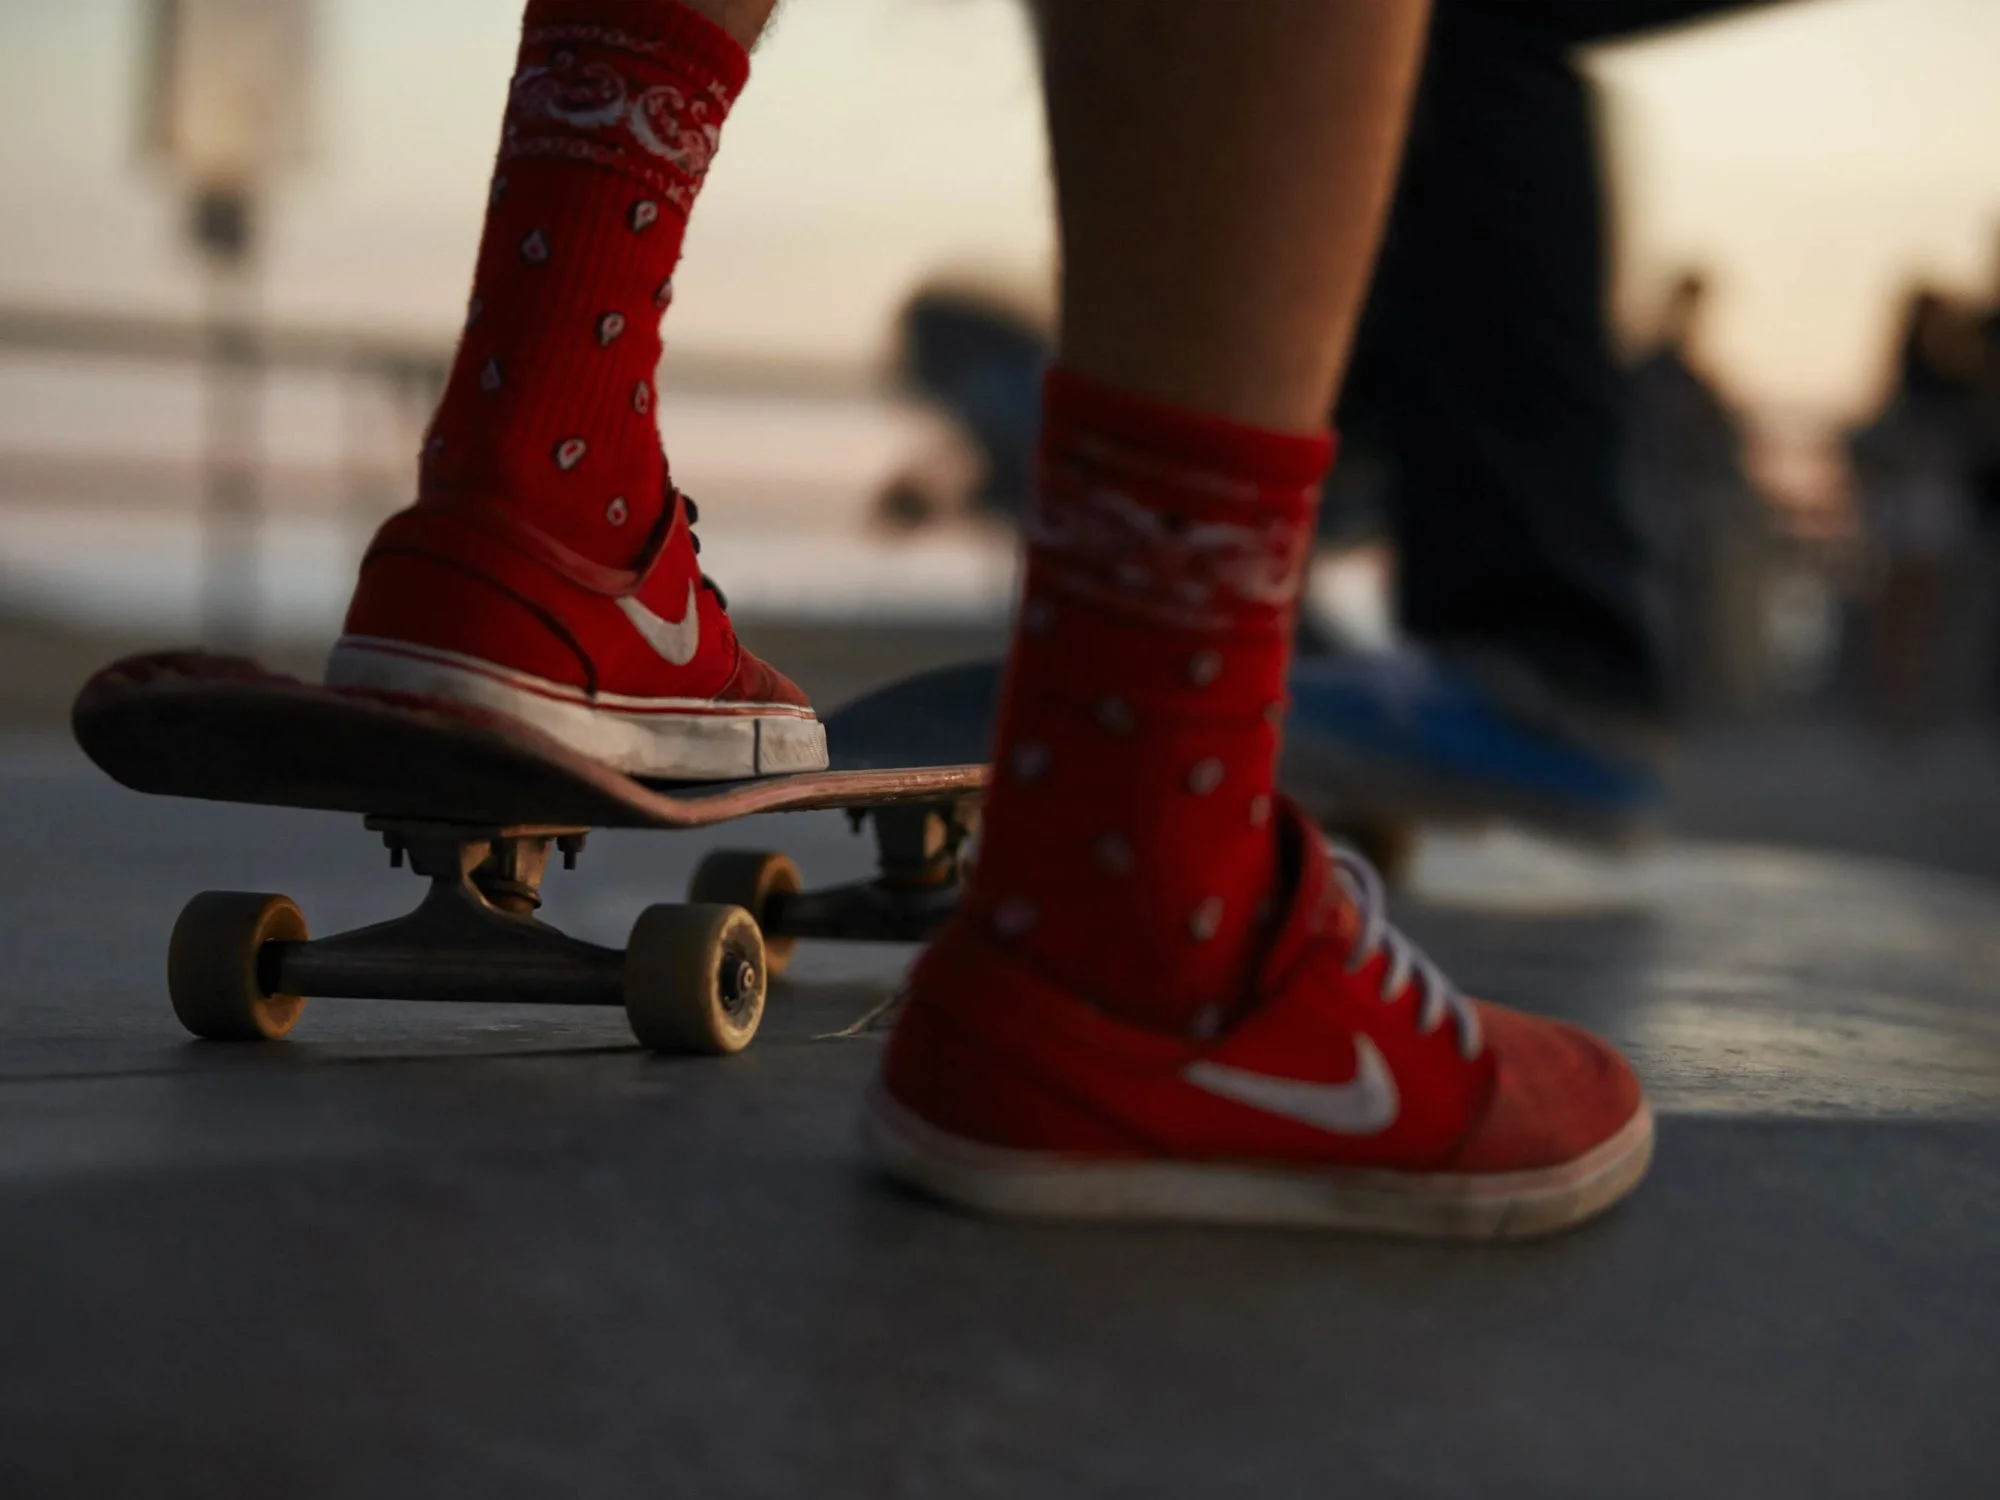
(480, 805)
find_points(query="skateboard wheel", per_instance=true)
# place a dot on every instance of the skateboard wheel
(694, 978)
(748, 878)
(212, 966)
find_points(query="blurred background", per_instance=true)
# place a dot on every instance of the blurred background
(235, 238)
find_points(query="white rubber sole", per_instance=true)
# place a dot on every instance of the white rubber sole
(1046, 1185)
(681, 739)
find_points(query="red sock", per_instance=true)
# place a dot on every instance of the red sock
(612, 120)
(1129, 849)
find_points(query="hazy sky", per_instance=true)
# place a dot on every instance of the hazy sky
(1815, 157)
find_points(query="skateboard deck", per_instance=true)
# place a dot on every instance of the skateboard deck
(189, 724)
(480, 804)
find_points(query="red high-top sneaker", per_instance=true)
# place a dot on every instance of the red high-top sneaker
(547, 570)
(637, 667)
(1356, 1090)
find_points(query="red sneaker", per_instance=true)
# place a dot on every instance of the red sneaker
(1358, 1090)
(638, 668)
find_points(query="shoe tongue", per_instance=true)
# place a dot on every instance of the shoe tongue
(666, 553)
(1316, 902)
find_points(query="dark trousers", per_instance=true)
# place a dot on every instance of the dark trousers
(1484, 370)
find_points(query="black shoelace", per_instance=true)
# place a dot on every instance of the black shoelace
(694, 515)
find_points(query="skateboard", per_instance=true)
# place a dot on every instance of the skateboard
(480, 805)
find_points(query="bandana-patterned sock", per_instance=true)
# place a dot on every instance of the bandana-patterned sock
(614, 115)
(1129, 849)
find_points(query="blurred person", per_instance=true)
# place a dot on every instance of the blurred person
(971, 351)
(1535, 676)
(1703, 520)
(1913, 467)
(1986, 480)
(979, 356)
(1164, 995)
(1986, 469)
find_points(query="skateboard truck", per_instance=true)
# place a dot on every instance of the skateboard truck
(920, 847)
(474, 936)
(691, 978)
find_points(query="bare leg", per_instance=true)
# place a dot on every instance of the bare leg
(1222, 174)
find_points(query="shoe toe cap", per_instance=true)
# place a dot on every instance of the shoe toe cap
(1558, 1093)
(757, 681)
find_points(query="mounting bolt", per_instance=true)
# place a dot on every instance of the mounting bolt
(571, 845)
(394, 844)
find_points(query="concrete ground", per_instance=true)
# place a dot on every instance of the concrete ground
(466, 1251)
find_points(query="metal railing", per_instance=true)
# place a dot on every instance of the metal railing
(232, 480)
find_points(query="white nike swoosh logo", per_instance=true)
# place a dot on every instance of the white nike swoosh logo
(1366, 1105)
(676, 640)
